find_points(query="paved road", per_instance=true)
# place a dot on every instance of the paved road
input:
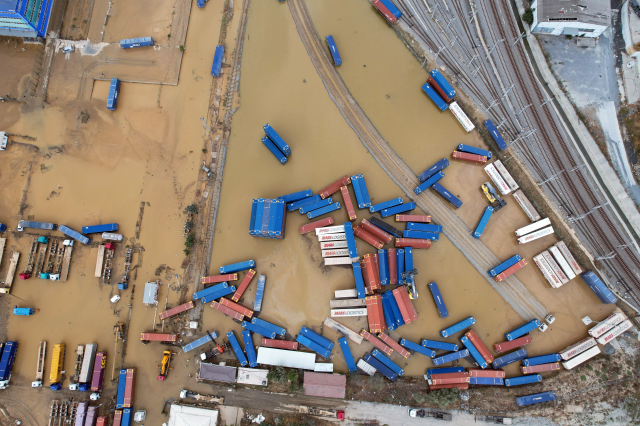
(397, 415)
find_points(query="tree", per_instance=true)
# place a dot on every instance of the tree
(527, 16)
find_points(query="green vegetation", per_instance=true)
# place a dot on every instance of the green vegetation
(188, 225)
(191, 208)
(527, 16)
(443, 397)
(187, 252)
(182, 48)
(420, 397)
(292, 376)
(190, 241)
(583, 378)
(277, 375)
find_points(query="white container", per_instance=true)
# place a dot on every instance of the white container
(355, 312)
(347, 303)
(577, 348)
(535, 235)
(526, 205)
(615, 332)
(547, 272)
(327, 245)
(111, 236)
(330, 230)
(366, 367)
(497, 179)
(461, 116)
(533, 227)
(556, 268)
(332, 237)
(569, 257)
(506, 175)
(332, 261)
(344, 294)
(562, 262)
(584, 356)
(335, 253)
(607, 324)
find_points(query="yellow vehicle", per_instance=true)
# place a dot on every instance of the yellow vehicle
(57, 365)
(165, 365)
(494, 199)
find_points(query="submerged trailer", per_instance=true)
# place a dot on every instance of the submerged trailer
(94, 229)
(462, 118)
(526, 206)
(598, 287)
(35, 225)
(114, 91)
(447, 195)
(441, 85)
(435, 97)
(334, 50)
(74, 234)
(218, 57)
(129, 43)
(497, 138)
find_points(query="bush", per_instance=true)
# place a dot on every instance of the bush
(420, 398)
(187, 252)
(190, 241)
(443, 397)
(527, 16)
(191, 208)
(188, 225)
(277, 375)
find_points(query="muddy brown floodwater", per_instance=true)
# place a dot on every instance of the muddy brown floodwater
(148, 151)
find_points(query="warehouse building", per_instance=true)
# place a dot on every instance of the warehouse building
(586, 18)
(25, 18)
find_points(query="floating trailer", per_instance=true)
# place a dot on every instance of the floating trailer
(74, 234)
(435, 96)
(348, 204)
(413, 218)
(510, 358)
(386, 227)
(334, 52)
(482, 223)
(277, 140)
(324, 210)
(334, 187)
(512, 344)
(114, 91)
(441, 85)
(376, 342)
(376, 231)
(243, 285)
(391, 211)
(35, 225)
(199, 342)
(305, 201)
(462, 118)
(304, 229)
(526, 206)
(450, 357)
(95, 229)
(385, 205)
(418, 348)
(466, 323)
(473, 150)
(540, 368)
(380, 367)
(437, 298)
(158, 337)
(296, 196)
(474, 352)
(342, 329)
(218, 57)
(360, 190)
(439, 166)
(533, 227)
(177, 310)
(522, 330)
(541, 359)
(416, 243)
(130, 43)
(468, 157)
(237, 350)
(388, 10)
(304, 341)
(506, 175)
(274, 150)
(348, 356)
(479, 345)
(598, 287)
(219, 278)
(497, 179)
(497, 138)
(510, 271)
(536, 235)
(444, 193)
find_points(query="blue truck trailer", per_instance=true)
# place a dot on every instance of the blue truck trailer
(129, 43)
(541, 359)
(94, 229)
(274, 150)
(437, 297)
(447, 195)
(474, 352)
(424, 227)
(351, 241)
(495, 381)
(495, 135)
(122, 382)
(237, 349)
(504, 265)
(435, 344)
(386, 227)
(127, 417)
(523, 380)
(386, 361)
(360, 190)
(277, 140)
(428, 183)
(383, 369)
(418, 348)
(348, 357)
(114, 91)
(400, 266)
(324, 352)
(510, 358)
(218, 57)
(269, 326)
(218, 294)
(199, 342)
(389, 316)
(6, 362)
(443, 370)
(482, 224)
(395, 308)
(334, 50)
(210, 290)
(522, 330)
(315, 206)
(435, 97)
(317, 338)
(357, 275)
(386, 205)
(450, 357)
(598, 287)
(257, 303)
(250, 348)
(383, 266)
(473, 150)
(439, 166)
(296, 196)
(301, 203)
(392, 8)
(323, 210)
(408, 259)
(443, 85)
(237, 267)
(36, 225)
(421, 235)
(259, 330)
(74, 234)
(397, 209)
(3, 227)
(23, 311)
(466, 323)
(536, 398)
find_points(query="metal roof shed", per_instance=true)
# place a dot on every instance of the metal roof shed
(285, 358)
(325, 385)
(181, 415)
(150, 296)
(218, 373)
(252, 376)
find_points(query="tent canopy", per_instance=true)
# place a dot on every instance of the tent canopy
(182, 415)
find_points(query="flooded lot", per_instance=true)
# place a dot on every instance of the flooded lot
(148, 152)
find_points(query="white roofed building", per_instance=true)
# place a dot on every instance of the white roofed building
(183, 415)
(584, 18)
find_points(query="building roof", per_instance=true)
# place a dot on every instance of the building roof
(8, 5)
(150, 296)
(252, 376)
(285, 358)
(596, 12)
(182, 415)
(325, 385)
(218, 373)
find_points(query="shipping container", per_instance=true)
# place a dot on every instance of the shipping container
(466, 323)
(510, 358)
(441, 85)
(122, 379)
(376, 342)
(74, 234)
(523, 380)
(274, 150)
(437, 167)
(533, 227)
(9, 350)
(334, 187)
(486, 381)
(540, 368)
(334, 245)
(607, 324)
(526, 205)
(334, 52)
(313, 346)
(350, 241)
(566, 253)
(473, 150)
(468, 157)
(495, 135)
(219, 278)
(449, 378)
(385, 205)
(324, 210)
(237, 349)
(371, 275)
(420, 235)
(579, 359)
(391, 211)
(598, 287)
(497, 179)
(386, 227)
(127, 417)
(416, 243)
(130, 388)
(510, 271)
(315, 206)
(88, 361)
(348, 204)
(536, 398)
(450, 357)
(117, 418)
(199, 342)
(391, 8)
(376, 231)
(210, 290)
(479, 345)
(413, 218)
(269, 326)
(114, 91)
(91, 416)
(407, 310)
(615, 332)
(474, 352)
(317, 224)
(379, 366)
(218, 58)
(547, 271)
(366, 367)
(94, 229)
(392, 257)
(504, 265)
(301, 203)
(237, 267)
(484, 219)
(447, 195)
(400, 266)
(508, 345)
(98, 371)
(506, 175)
(437, 298)
(424, 227)
(477, 372)
(394, 345)
(57, 365)
(317, 338)
(129, 43)
(418, 348)
(387, 362)
(348, 357)
(296, 196)
(443, 370)
(237, 307)
(344, 253)
(279, 344)
(277, 140)
(243, 285)
(383, 265)
(375, 315)
(357, 275)
(35, 225)
(258, 330)
(102, 421)
(361, 192)
(227, 311)
(435, 96)
(367, 237)
(462, 118)
(536, 235)
(177, 310)
(522, 330)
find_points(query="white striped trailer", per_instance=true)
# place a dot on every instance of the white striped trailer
(333, 261)
(347, 303)
(346, 294)
(535, 235)
(615, 332)
(497, 179)
(330, 230)
(344, 330)
(332, 237)
(366, 367)
(355, 312)
(555, 267)
(506, 175)
(607, 324)
(584, 356)
(577, 348)
(461, 116)
(533, 227)
(547, 272)
(333, 245)
(569, 257)
(526, 206)
(335, 253)
(562, 262)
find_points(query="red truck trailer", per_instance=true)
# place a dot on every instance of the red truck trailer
(158, 337)
(98, 371)
(129, 388)
(177, 310)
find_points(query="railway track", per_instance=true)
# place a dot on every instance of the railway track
(512, 289)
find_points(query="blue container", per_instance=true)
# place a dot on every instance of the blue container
(266, 215)
(317, 205)
(536, 398)
(434, 344)
(504, 265)
(447, 195)
(122, 380)
(386, 227)
(443, 84)
(198, 342)
(383, 266)
(408, 258)
(473, 150)
(129, 43)
(237, 349)
(458, 327)
(483, 222)
(357, 275)
(386, 361)
(348, 357)
(395, 308)
(324, 210)
(305, 201)
(217, 61)
(123, 286)
(257, 303)
(510, 358)
(542, 359)
(249, 348)
(200, 3)
(400, 266)
(424, 227)
(437, 167)
(443, 370)
(598, 287)
(277, 140)
(6, 360)
(417, 348)
(296, 196)
(392, 8)
(351, 241)
(360, 189)
(82, 387)
(495, 135)
(252, 223)
(259, 330)
(23, 311)
(257, 222)
(317, 338)
(398, 209)
(56, 386)
(334, 50)
(274, 150)
(271, 327)
(127, 417)
(522, 330)
(428, 183)
(421, 235)
(474, 352)
(385, 205)
(237, 267)
(523, 380)
(313, 346)
(437, 297)
(43, 240)
(210, 290)
(383, 369)
(114, 91)
(496, 381)
(44, 275)
(389, 317)
(435, 97)
(450, 357)
(74, 234)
